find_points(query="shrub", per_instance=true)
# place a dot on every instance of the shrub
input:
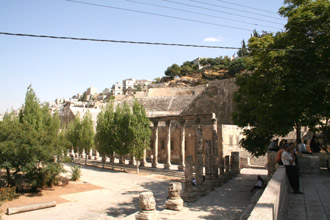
(67, 159)
(75, 173)
(8, 193)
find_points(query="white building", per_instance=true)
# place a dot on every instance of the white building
(91, 91)
(128, 83)
(117, 89)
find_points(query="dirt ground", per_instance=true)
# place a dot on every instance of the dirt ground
(49, 194)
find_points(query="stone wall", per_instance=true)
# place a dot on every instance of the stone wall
(216, 98)
(274, 200)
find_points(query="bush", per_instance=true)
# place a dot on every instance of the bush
(75, 173)
(67, 159)
(8, 193)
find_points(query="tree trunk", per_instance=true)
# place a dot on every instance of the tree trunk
(137, 166)
(103, 161)
(8, 177)
(86, 158)
(298, 134)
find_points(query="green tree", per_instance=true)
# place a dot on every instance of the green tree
(139, 133)
(86, 134)
(173, 71)
(287, 88)
(28, 143)
(105, 131)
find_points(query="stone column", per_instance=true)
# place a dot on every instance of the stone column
(143, 162)
(226, 164)
(234, 166)
(174, 201)
(188, 194)
(168, 145)
(90, 154)
(199, 153)
(215, 172)
(182, 144)
(147, 207)
(220, 155)
(208, 183)
(155, 160)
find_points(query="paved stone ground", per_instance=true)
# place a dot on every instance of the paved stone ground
(226, 202)
(119, 197)
(315, 202)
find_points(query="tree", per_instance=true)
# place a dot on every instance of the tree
(86, 134)
(139, 132)
(105, 131)
(286, 89)
(173, 71)
(122, 137)
(29, 143)
(243, 51)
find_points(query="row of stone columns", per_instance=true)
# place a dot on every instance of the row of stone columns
(168, 144)
(213, 161)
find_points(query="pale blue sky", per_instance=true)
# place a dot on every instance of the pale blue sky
(62, 68)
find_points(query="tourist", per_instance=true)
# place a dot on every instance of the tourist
(302, 147)
(315, 145)
(194, 182)
(279, 156)
(259, 185)
(292, 171)
(273, 146)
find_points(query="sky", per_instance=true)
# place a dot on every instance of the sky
(59, 68)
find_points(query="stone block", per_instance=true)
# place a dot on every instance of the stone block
(309, 164)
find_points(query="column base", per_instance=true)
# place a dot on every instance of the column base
(155, 165)
(181, 167)
(167, 166)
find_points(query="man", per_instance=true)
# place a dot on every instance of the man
(302, 147)
(273, 146)
(292, 171)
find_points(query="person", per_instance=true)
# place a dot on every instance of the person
(302, 147)
(259, 185)
(292, 171)
(193, 182)
(315, 145)
(279, 156)
(273, 146)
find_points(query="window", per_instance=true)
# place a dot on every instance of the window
(230, 140)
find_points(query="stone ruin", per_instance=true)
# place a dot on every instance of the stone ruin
(174, 201)
(147, 205)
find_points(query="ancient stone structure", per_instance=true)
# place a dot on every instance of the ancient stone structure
(188, 194)
(147, 205)
(234, 165)
(174, 201)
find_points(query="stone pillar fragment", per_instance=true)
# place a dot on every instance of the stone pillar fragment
(188, 194)
(199, 158)
(199, 153)
(234, 166)
(90, 154)
(226, 164)
(174, 201)
(182, 144)
(147, 207)
(215, 161)
(155, 159)
(167, 164)
(208, 183)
